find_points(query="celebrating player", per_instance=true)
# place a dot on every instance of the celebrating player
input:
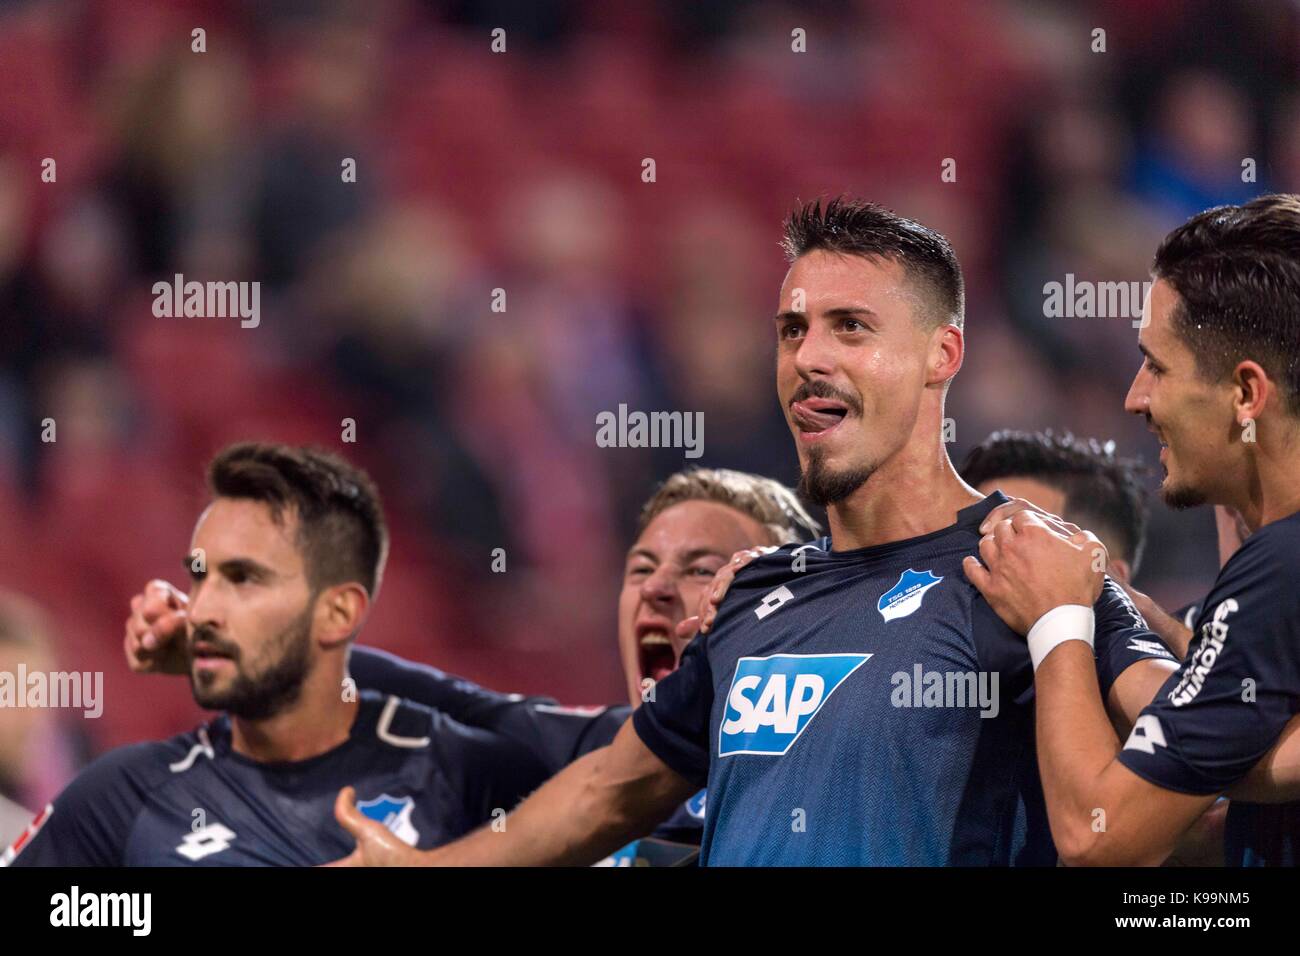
(688, 529)
(285, 563)
(1080, 479)
(854, 704)
(1219, 385)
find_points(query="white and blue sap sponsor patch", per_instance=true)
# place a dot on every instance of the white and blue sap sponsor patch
(905, 597)
(773, 699)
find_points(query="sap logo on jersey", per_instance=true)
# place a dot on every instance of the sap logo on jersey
(905, 596)
(772, 699)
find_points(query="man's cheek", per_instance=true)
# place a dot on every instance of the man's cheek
(693, 595)
(627, 603)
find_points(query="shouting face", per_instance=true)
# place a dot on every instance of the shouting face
(669, 567)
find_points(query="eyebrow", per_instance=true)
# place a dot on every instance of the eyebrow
(698, 553)
(839, 313)
(247, 565)
(692, 555)
(1147, 352)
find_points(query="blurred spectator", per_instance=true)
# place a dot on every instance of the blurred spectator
(37, 753)
(1192, 157)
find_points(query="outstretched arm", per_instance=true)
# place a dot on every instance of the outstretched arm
(593, 807)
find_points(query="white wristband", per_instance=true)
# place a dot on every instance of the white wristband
(1067, 622)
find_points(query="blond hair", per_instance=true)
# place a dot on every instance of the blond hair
(770, 503)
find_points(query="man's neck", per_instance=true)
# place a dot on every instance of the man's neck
(1264, 483)
(902, 499)
(316, 723)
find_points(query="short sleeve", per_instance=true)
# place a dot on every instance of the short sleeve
(1121, 636)
(1227, 704)
(89, 823)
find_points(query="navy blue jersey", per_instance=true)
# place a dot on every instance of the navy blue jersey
(1227, 704)
(1187, 614)
(192, 800)
(556, 735)
(868, 707)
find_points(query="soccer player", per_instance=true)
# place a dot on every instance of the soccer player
(855, 702)
(1084, 482)
(687, 530)
(1080, 479)
(285, 563)
(1219, 385)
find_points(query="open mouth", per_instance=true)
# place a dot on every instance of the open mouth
(1164, 445)
(656, 654)
(816, 417)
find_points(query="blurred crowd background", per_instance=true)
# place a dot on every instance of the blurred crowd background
(522, 171)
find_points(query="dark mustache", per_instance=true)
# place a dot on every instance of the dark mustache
(820, 388)
(219, 645)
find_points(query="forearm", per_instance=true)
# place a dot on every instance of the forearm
(1276, 778)
(1202, 845)
(1076, 744)
(1101, 813)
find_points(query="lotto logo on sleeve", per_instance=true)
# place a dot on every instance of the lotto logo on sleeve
(772, 699)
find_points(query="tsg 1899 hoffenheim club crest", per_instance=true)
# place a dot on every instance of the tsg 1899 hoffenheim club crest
(905, 596)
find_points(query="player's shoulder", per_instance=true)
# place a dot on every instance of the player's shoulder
(1262, 576)
(398, 723)
(1113, 604)
(794, 559)
(470, 758)
(392, 721)
(1267, 556)
(136, 768)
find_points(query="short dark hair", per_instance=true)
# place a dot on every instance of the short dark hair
(856, 227)
(1236, 270)
(1103, 492)
(341, 530)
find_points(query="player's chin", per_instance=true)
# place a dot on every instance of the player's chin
(209, 699)
(211, 690)
(1180, 494)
